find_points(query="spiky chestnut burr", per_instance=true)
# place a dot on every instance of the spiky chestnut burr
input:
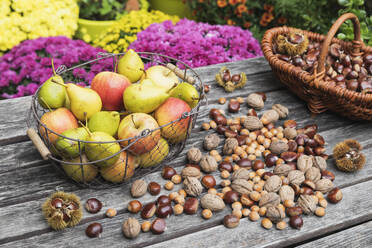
(295, 43)
(62, 210)
(348, 155)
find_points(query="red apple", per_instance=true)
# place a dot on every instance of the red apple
(110, 86)
(171, 110)
(133, 125)
(58, 120)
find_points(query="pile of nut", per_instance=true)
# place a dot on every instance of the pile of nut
(296, 185)
(342, 70)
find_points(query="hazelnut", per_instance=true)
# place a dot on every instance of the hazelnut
(134, 206)
(253, 216)
(169, 185)
(207, 214)
(258, 165)
(145, 226)
(206, 126)
(266, 223)
(237, 205)
(231, 221)
(222, 100)
(335, 195)
(319, 211)
(182, 193)
(281, 225)
(153, 188)
(178, 209)
(111, 212)
(237, 213)
(176, 179)
(180, 199)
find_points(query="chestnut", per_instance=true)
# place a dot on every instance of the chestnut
(214, 112)
(271, 159)
(258, 164)
(326, 174)
(225, 166)
(208, 181)
(158, 226)
(245, 162)
(191, 205)
(294, 211)
(148, 210)
(206, 88)
(290, 124)
(163, 200)
(221, 129)
(226, 76)
(235, 78)
(154, 188)
(352, 84)
(231, 221)
(307, 191)
(233, 106)
(289, 156)
(292, 146)
(241, 139)
(296, 222)
(220, 120)
(163, 211)
(319, 139)
(231, 197)
(94, 230)
(230, 134)
(335, 195)
(93, 205)
(134, 206)
(168, 172)
(252, 112)
(57, 203)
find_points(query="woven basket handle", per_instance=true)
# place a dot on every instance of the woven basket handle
(357, 42)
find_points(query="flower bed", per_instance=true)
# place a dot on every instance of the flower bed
(198, 44)
(24, 19)
(28, 65)
(124, 32)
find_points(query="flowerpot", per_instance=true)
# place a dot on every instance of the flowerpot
(172, 7)
(89, 30)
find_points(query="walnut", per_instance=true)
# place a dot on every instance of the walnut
(194, 155)
(139, 188)
(269, 116)
(190, 171)
(241, 173)
(252, 123)
(275, 213)
(304, 163)
(296, 177)
(211, 141)
(320, 162)
(282, 111)
(208, 164)
(273, 184)
(255, 101)
(307, 203)
(192, 186)
(278, 147)
(282, 169)
(286, 193)
(131, 228)
(324, 185)
(290, 132)
(212, 202)
(313, 174)
(230, 144)
(269, 199)
(242, 186)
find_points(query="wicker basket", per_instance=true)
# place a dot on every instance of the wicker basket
(312, 88)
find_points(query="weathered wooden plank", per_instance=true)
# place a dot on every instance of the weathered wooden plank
(355, 208)
(14, 112)
(119, 197)
(358, 236)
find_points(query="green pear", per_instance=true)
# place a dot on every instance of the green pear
(186, 92)
(131, 66)
(52, 95)
(104, 121)
(95, 150)
(144, 97)
(84, 101)
(80, 172)
(70, 148)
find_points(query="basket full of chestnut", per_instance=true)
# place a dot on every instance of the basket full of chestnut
(328, 73)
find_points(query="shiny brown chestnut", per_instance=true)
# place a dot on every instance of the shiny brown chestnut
(148, 210)
(231, 197)
(245, 162)
(164, 211)
(163, 200)
(94, 230)
(252, 112)
(326, 174)
(220, 120)
(153, 188)
(271, 159)
(258, 164)
(208, 181)
(93, 205)
(134, 206)
(233, 106)
(335, 195)
(168, 172)
(225, 166)
(158, 226)
(289, 156)
(241, 139)
(57, 203)
(221, 129)
(235, 78)
(191, 205)
(214, 112)
(294, 211)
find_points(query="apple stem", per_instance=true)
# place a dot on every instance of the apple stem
(174, 86)
(46, 104)
(144, 72)
(133, 121)
(124, 113)
(86, 124)
(195, 98)
(116, 64)
(54, 71)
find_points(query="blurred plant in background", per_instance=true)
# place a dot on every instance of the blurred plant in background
(107, 10)
(24, 19)
(117, 38)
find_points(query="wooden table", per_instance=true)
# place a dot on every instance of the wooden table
(26, 180)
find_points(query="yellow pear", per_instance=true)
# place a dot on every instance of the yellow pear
(131, 66)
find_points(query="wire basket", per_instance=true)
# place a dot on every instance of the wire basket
(109, 163)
